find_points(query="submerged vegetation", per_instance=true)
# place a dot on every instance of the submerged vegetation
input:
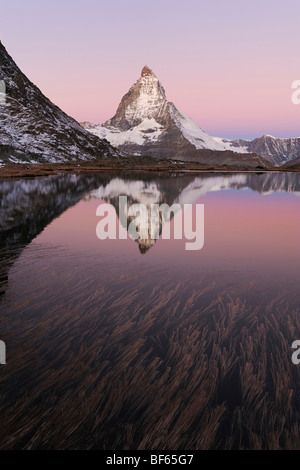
(177, 368)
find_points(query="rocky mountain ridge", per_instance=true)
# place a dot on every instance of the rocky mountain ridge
(33, 129)
(147, 124)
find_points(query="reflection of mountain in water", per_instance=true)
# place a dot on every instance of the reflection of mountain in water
(186, 190)
(29, 205)
(141, 192)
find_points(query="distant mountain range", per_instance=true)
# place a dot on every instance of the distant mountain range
(33, 129)
(147, 124)
(276, 151)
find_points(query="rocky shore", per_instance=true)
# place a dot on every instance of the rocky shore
(132, 164)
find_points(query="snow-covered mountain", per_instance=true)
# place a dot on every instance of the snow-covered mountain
(33, 129)
(272, 149)
(146, 123)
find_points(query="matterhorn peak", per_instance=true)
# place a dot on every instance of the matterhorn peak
(146, 123)
(146, 72)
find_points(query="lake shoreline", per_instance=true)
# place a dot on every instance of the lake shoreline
(23, 170)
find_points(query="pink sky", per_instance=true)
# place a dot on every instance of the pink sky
(229, 65)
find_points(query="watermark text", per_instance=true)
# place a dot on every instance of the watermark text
(2, 92)
(149, 223)
(296, 354)
(2, 352)
(296, 93)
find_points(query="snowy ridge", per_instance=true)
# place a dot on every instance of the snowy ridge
(193, 133)
(147, 130)
(231, 145)
(34, 130)
(277, 151)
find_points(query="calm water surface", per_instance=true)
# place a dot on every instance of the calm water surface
(123, 344)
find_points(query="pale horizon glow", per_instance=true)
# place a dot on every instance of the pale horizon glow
(228, 65)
